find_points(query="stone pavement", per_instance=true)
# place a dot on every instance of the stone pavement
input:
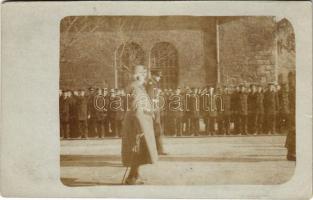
(191, 161)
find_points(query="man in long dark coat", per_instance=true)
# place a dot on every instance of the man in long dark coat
(270, 106)
(82, 112)
(252, 96)
(101, 113)
(291, 137)
(138, 139)
(65, 115)
(92, 130)
(259, 123)
(243, 110)
(235, 107)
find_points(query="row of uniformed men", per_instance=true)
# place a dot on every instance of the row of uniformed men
(239, 109)
(84, 115)
(229, 110)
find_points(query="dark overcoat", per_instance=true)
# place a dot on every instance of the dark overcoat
(64, 109)
(82, 108)
(259, 103)
(243, 103)
(138, 120)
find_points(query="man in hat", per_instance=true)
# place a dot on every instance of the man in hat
(64, 115)
(92, 131)
(252, 96)
(82, 109)
(101, 112)
(138, 139)
(243, 99)
(153, 90)
(226, 110)
(176, 106)
(259, 110)
(283, 110)
(73, 114)
(212, 110)
(270, 105)
(112, 112)
(291, 136)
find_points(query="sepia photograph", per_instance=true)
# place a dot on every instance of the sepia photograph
(177, 100)
(156, 99)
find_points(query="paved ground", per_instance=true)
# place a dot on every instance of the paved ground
(191, 161)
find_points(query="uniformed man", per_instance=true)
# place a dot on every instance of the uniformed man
(101, 101)
(153, 90)
(204, 109)
(92, 126)
(73, 114)
(243, 97)
(235, 107)
(270, 105)
(120, 113)
(252, 97)
(65, 115)
(82, 109)
(291, 137)
(194, 113)
(112, 112)
(226, 114)
(176, 106)
(138, 138)
(282, 117)
(259, 123)
(212, 111)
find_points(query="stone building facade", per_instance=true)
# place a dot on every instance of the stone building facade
(99, 51)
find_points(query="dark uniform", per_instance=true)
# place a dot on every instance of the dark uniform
(102, 115)
(177, 110)
(193, 113)
(282, 117)
(235, 107)
(291, 137)
(252, 98)
(212, 112)
(117, 111)
(64, 117)
(226, 113)
(204, 110)
(82, 112)
(243, 112)
(92, 131)
(73, 117)
(259, 112)
(270, 106)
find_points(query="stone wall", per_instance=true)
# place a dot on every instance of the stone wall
(286, 52)
(247, 49)
(89, 60)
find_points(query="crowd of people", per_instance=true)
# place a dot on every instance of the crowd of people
(223, 110)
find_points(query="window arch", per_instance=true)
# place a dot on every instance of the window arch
(164, 58)
(128, 56)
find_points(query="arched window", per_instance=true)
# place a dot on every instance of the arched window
(128, 56)
(164, 58)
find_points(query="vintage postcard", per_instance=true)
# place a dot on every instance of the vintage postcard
(157, 99)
